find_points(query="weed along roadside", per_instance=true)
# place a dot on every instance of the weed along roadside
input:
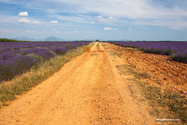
(10, 89)
(157, 100)
(163, 102)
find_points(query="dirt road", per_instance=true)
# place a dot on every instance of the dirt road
(88, 90)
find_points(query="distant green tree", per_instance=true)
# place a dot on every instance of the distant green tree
(11, 40)
(97, 40)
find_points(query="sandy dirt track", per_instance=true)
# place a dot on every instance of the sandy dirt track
(87, 90)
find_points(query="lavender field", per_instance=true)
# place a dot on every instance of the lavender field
(176, 51)
(18, 57)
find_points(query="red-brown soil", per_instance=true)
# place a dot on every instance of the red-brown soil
(170, 75)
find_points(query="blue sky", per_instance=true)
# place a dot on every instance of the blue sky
(94, 19)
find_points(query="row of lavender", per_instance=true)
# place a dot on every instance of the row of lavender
(176, 50)
(18, 57)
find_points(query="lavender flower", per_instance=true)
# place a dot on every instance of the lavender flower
(18, 57)
(176, 50)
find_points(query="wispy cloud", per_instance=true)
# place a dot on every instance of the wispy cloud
(109, 28)
(130, 28)
(23, 14)
(37, 22)
(24, 20)
(110, 18)
(100, 18)
(54, 21)
(72, 32)
(76, 18)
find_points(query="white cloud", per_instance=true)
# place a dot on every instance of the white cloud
(77, 19)
(36, 22)
(54, 21)
(110, 18)
(23, 14)
(72, 32)
(24, 20)
(100, 18)
(130, 29)
(107, 28)
(92, 22)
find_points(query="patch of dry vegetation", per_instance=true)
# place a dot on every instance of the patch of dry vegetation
(163, 104)
(97, 45)
(103, 44)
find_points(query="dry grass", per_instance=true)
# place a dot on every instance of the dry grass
(104, 45)
(113, 53)
(98, 45)
(23, 83)
(162, 105)
(94, 54)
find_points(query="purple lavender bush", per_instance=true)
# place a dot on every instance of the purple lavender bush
(175, 50)
(45, 54)
(6, 55)
(18, 57)
(180, 56)
(60, 51)
(15, 66)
